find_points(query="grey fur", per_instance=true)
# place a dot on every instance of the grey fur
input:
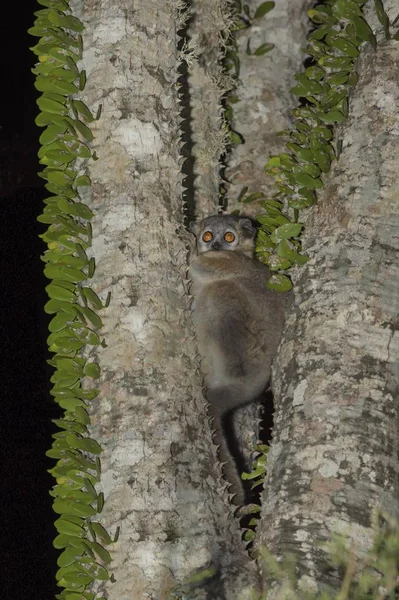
(238, 323)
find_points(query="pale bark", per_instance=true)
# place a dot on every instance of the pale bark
(208, 83)
(159, 474)
(263, 90)
(334, 455)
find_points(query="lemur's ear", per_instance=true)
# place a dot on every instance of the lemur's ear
(247, 228)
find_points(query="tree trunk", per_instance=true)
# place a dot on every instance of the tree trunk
(334, 455)
(264, 98)
(210, 28)
(159, 474)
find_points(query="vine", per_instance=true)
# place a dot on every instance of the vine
(74, 324)
(324, 87)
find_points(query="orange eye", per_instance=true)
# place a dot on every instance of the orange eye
(207, 236)
(229, 237)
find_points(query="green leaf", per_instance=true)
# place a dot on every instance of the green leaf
(334, 116)
(86, 335)
(57, 157)
(68, 557)
(92, 297)
(382, 17)
(277, 263)
(66, 345)
(101, 532)
(320, 15)
(38, 31)
(64, 74)
(87, 394)
(314, 73)
(288, 230)
(82, 80)
(59, 293)
(346, 9)
(92, 370)
(249, 535)
(345, 46)
(91, 316)
(82, 180)
(333, 99)
(258, 472)
(303, 153)
(67, 273)
(308, 181)
(51, 106)
(285, 250)
(274, 161)
(84, 131)
(353, 78)
(51, 133)
(298, 90)
(236, 138)
(263, 49)
(50, 84)
(83, 443)
(100, 502)
(58, 177)
(45, 118)
(61, 320)
(82, 415)
(77, 209)
(337, 78)
(100, 551)
(323, 131)
(310, 85)
(72, 578)
(263, 9)
(65, 21)
(320, 32)
(71, 365)
(62, 506)
(309, 168)
(335, 62)
(364, 31)
(91, 490)
(83, 110)
(252, 197)
(323, 160)
(280, 283)
(70, 528)
(70, 403)
(66, 260)
(62, 541)
(54, 306)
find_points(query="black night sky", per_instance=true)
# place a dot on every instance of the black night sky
(27, 556)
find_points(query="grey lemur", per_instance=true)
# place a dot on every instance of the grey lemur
(238, 323)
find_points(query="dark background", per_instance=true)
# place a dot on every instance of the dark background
(28, 560)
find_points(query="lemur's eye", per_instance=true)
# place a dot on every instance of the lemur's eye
(229, 237)
(207, 236)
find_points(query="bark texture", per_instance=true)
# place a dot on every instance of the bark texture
(334, 455)
(159, 475)
(264, 95)
(210, 26)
